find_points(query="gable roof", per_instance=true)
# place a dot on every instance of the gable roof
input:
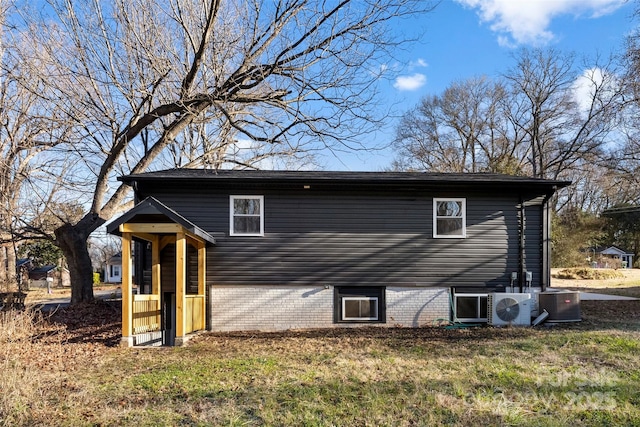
(44, 269)
(347, 178)
(151, 208)
(115, 258)
(23, 261)
(611, 250)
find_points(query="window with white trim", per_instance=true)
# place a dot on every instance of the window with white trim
(359, 308)
(470, 307)
(246, 215)
(449, 218)
(115, 270)
(359, 304)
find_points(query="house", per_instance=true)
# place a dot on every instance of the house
(273, 250)
(40, 277)
(612, 257)
(49, 276)
(113, 269)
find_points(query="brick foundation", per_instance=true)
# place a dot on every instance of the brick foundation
(275, 308)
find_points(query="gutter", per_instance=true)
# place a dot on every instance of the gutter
(546, 245)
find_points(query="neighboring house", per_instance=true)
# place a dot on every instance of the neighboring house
(113, 269)
(273, 250)
(49, 276)
(612, 257)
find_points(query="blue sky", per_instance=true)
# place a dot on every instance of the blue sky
(466, 38)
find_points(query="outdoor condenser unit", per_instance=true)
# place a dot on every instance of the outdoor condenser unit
(563, 306)
(509, 309)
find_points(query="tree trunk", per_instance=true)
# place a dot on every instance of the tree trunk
(8, 262)
(72, 240)
(4, 268)
(12, 263)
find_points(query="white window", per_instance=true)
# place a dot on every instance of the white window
(359, 308)
(246, 215)
(114, 271)
(471, 307)
(449, 218)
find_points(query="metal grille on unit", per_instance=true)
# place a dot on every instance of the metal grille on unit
(509, 309)
(563, 306)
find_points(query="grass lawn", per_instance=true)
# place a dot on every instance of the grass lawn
(66, 370)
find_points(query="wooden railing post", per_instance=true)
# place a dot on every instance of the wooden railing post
(156, 269)
(127, 300)
(202, 276)
(181, 276)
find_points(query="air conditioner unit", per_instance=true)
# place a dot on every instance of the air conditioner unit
(509, 309)
(563, 306)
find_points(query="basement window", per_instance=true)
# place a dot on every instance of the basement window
(359, 305)
(449, 218)
(246, 215)
(470, 307)
(359, 308)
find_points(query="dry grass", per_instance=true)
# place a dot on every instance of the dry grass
(584, 273)
(40, 356)
(571, 375)
(21, 380)
(627, 282)
(40, 295)
(67, 370)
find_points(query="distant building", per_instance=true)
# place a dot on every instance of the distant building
(113, 269)
(49, 275)
(612, 257)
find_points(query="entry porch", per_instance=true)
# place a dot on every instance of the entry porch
(169, 302)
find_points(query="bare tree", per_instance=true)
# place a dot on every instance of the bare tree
(544, 119)
(626, 164)
(463, 130)
(27, 129)
(561, 116)
(134, 75)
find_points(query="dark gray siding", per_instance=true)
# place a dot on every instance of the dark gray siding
(168, 272)
(363, 238)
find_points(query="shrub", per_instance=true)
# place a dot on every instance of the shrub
(588, 273)
(96, 278)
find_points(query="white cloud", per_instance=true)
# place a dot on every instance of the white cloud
(418, 63)
(585, 86)
(527, 21)
(412, 82)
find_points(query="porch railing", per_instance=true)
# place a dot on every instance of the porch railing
(195, 313)
(146, 313)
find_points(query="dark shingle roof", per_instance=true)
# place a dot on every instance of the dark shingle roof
(154, 208)
(388, 178)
